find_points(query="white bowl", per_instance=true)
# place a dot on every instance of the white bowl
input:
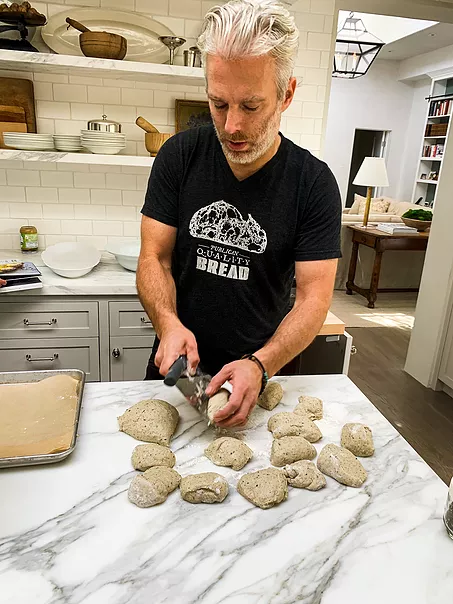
(72, 259)
(126, 253)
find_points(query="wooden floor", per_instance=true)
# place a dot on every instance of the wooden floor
(423, 417)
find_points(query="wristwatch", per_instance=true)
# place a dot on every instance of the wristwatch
(265, 378)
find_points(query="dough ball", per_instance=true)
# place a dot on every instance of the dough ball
(341, 465)
(272, 395)
(264, 488)
(144, 493)
(147, 456)
(229, 452)
(310, 406)
(291, 448)
(304, 475)
(152, 421)
(293, 424)
(358, 439)
(167, 477)
(217, 402)
(208, 487)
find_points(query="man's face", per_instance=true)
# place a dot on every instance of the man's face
(244, 107)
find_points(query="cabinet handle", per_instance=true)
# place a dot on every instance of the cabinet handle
(353, 350)
(49, 359)
(51, 322)
(145, 321)
(116, 353)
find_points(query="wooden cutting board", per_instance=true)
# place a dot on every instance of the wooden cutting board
(15, 92)
(12, 119)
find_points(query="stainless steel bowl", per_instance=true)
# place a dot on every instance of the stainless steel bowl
(104, 125)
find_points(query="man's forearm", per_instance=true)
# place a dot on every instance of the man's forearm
(297, 331)
(157, 292)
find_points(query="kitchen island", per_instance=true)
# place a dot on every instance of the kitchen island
(69, 535)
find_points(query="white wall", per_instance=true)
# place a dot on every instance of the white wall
(377, 101)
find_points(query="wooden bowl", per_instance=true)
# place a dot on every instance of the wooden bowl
(103, 45)
(420, 225)
(154, 141)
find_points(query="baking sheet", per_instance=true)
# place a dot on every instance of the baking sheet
(28, 377)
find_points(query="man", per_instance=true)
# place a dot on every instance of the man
(233, 212)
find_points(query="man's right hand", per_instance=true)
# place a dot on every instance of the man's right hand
(173, 343)
(2, 282)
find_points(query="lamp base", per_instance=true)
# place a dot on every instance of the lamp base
(368, 226)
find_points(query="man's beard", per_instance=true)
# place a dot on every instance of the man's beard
(258, 147)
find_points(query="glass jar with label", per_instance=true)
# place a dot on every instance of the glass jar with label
(28, 239)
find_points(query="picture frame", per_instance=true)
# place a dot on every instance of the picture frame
(191, 114)
(433, 176)
(423, 177)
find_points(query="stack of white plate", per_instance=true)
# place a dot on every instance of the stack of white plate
(108, 143)
(67, 142)
(28, 141)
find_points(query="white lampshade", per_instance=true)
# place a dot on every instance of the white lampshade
(372, 173)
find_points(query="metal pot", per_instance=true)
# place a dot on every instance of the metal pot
(104, 125)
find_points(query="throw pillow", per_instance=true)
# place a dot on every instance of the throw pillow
(378, 206)
(359, 199)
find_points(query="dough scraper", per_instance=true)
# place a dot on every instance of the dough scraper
(193, 387)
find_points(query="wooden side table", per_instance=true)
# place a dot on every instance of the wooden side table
(380, 242)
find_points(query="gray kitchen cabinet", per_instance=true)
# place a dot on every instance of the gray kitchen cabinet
(58, 353)
(127, 318)
(129, 357)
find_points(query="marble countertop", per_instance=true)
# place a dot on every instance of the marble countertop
(108, 278)
(69, 535)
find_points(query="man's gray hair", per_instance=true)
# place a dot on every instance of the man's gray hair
(251, 28)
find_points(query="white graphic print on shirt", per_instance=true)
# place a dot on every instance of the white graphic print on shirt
(221, 223)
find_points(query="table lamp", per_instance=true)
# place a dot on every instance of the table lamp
(372, 173)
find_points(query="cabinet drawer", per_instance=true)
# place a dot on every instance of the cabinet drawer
(48, 319)
(129, 319)
(68, 353)
(129, 358)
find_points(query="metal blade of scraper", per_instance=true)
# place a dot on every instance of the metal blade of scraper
(192, 387)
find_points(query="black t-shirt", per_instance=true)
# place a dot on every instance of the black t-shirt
(237, 241)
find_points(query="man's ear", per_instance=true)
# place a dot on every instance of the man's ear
(289, 94)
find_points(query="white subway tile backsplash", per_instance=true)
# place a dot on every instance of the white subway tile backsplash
(307, 93)
(41, 195)
(121, 213)
(192, 28)
(325, 59)
(83, 80)
(150, 86)
(24, 210)
(142, 182)
(106, 197)
(138, 170)
(155, 115)
(325, 7)
(133, 97)
(9, 194)
(128, 5)
(296, 125)
(119, 113)
(301, 6)
(103, 169)
(57, 179)
(11, 225)
(294, 110)
(9, 242)
(189, 9)
(166, 99)
(48, 227)
(310, 141)
(72, 167)
(91, 212)
(108, 95)
(133, 198)
(53, 110)
(118, 83)
(319, 41)
(309, 58)
(328, 24)
(312, 109)
(99, 243)
(5, 209)
(2, 176)
(85, 180)
(73, 93)
(69, 126)
(45, 126)
(121, 181)
(76, 196)
(316, 76)
(108, 228)
(322, 91)
(43, 91)
(58, 210)
(54, 239)
(131, 229)
(82, 111)
(56, 78)
(77, 227)
(318, 127)
(176, 25)
(23, 178)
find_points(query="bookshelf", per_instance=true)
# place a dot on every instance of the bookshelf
(436, 130)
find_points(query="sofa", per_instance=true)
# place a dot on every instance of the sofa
(399, 269)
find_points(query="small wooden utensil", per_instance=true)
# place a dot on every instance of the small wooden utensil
(99, 44)
(145, 125)
(153, 138)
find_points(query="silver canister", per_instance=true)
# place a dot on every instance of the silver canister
(104, 125)
(192, 57)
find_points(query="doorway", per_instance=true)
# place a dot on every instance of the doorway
(367, 143)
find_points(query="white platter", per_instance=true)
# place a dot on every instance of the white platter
(141, 33)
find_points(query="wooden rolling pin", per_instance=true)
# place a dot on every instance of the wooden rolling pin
(145, 125)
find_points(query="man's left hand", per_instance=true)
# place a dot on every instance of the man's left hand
(245, 378)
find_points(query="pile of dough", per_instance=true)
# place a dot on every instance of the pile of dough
(341, 465)
(147, 456)
(152, 421)
(208, 487)
(304, 475)
(310, 406)
(264, 488)
(291, 448)
(153, 487)
(229, 452)
(217, 402)
(272, 395)
(293, 424)
(358, 439)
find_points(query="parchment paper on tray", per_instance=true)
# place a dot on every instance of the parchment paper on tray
(37, 418)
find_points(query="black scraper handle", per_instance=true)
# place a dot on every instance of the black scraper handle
(176, 371)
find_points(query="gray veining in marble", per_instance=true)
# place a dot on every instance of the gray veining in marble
(69, 534)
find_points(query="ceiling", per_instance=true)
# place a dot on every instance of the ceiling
(421, 42)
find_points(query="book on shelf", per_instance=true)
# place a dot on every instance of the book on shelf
(19, 276)
(440, 108)
(433, 150)
(393, 228)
